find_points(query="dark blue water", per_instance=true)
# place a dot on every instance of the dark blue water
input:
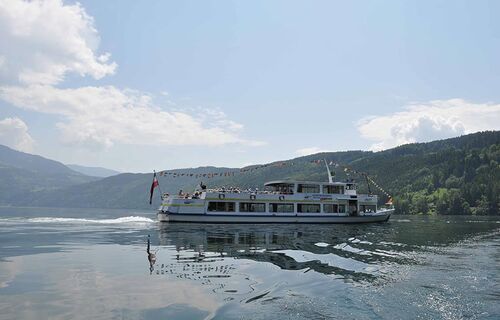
(92, 264)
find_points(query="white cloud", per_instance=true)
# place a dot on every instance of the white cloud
(102, 116)
(14, 134)
(42, 41)
(309, 150)
(423, 122)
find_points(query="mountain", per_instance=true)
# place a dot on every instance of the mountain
(22, 174)
(93, 171)
(126, 190)
(26, 161)
(452, 176)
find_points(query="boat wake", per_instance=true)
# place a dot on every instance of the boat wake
(130, 220)
(121, 220)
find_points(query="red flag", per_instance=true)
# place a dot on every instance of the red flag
(153, 186)
(389, 202)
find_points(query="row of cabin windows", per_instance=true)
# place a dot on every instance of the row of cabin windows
(284, 207)
(315, 188)
(221, 206)
(308, 188)
(252, 207)
(334, 208)
(333, 189)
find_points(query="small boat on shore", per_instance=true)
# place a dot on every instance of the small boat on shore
(280, 202)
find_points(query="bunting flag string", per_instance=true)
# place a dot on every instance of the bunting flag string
(347, 170)
(379, 187)
(221, 174)
(243, 170)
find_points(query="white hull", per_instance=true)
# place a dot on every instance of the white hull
(278, 218)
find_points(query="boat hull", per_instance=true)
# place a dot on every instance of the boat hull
(233, 218)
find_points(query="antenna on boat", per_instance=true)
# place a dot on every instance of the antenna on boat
(367, 183)
(330, 179)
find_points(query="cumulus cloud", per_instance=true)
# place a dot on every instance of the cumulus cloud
(308, 151)
(14, 134)
(423, 122)
(42, 41)
(102, 116)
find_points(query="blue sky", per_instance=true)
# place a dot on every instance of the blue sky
(230, 83)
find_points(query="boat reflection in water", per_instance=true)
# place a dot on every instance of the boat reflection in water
(207, 252)
(357, 252)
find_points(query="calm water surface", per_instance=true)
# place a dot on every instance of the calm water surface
(92, 264)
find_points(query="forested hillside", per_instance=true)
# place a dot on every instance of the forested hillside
(453, 176)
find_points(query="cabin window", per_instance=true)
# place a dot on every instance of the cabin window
(252, 207)
(368, 208)
(333, 189)
(341, 208)
(309, 208)
(281, 207)
(221, 206)
(350, 187)
(308, 188)
(286, 188)
(330, 208)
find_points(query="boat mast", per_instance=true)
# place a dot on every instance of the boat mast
(330, 179)
(367, 183)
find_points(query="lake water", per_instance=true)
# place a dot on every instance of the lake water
(92, 264)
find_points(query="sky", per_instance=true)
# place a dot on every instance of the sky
(142, 85)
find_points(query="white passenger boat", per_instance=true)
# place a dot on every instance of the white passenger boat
(281, 202)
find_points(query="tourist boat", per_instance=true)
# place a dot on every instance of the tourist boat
(281, 202)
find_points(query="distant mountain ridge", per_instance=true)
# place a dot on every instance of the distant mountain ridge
(21, 174)
(126, 190)
(452, 176)
(93, 171)
(22, 160)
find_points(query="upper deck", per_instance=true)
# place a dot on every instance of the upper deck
(315, 187)
(281, 187)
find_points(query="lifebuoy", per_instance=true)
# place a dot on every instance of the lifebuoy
(221, 196)
(252, 197)
(282, 198)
